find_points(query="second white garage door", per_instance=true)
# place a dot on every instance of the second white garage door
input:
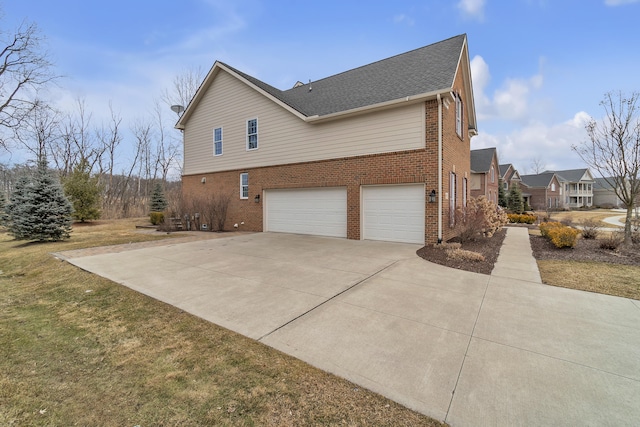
(394, 213)
(318, 211)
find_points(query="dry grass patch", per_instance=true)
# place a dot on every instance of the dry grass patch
(611, 279)
(579, 217)
(77, 349)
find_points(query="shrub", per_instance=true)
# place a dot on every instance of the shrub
(612, 241)
(464, 255)
(635, 237)
(590, 229)
(522, 218)
(480, 218)
(156, 218)
(563, 237)
(545, 227)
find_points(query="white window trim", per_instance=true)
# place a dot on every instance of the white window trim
(221, 141)
(459, 116)
(257, 133)
(242, 186)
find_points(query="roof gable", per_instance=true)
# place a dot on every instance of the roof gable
(482, 159)
(574, 175)
(412, 76)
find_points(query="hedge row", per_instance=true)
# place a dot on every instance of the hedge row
(522, 218)
(559, 234)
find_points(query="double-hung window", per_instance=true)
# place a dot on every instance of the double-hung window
(252, 134)
(217, 142)
(244, 185)
(459, 116)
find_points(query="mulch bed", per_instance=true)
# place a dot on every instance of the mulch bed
(585, 250)
(488, 247)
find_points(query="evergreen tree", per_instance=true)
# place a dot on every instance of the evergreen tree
(38, 209)
(83, 192)
(3, 210)
(502, 196)
(515, 202)
(158, 202)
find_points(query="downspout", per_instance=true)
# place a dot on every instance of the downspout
(439, 169)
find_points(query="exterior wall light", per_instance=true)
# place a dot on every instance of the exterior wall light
(257, 198)
(432, 196)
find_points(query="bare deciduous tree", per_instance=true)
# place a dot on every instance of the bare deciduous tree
(40, 131)
(538, 166)
(24, 68)
(184, 87)
(613, 150)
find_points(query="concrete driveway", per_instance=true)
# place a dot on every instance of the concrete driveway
(466, 348)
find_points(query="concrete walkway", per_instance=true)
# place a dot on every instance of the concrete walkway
(542, 355)
(470, 349)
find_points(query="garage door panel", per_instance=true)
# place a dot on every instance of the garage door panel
(317, 211)
(394, 213)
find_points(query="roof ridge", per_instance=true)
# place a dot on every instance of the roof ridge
(378, 61)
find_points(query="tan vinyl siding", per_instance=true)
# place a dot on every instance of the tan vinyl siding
(282, 137)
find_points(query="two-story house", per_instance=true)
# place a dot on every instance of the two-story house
(485, 173)
(542, 191)
(577, 186)
(509, 174)
(378, 152)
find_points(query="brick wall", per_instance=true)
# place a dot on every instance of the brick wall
(391, 168)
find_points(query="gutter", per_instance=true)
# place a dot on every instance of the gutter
(439, 168)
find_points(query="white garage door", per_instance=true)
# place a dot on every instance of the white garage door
(394, 213)
(318, 211)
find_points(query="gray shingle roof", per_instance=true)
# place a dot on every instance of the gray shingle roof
(570, 175)
(428, 69)
(481, 159)
(538, 180)
(504, 168)
(603, 184)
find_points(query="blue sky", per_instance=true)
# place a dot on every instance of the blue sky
(540, 67)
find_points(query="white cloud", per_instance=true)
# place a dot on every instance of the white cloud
(473, 9)
(619, 2)
(404, 19)
(537, 140)
(511, 101)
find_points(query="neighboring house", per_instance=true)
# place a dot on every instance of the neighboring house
(379, 152)
(542, 191)
(577, 187)
(485, 173)
(509, 174)
(604, 194)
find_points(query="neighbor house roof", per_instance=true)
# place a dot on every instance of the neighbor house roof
(504, 168)
(419, 73)
(603, 184)
(570, 175)
(539, 180)
(481, 159)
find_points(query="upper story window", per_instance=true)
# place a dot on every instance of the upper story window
(244, 185)
(459, 116)
(252, 134)
(493, 174)
(553, 186)
(217, 142)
